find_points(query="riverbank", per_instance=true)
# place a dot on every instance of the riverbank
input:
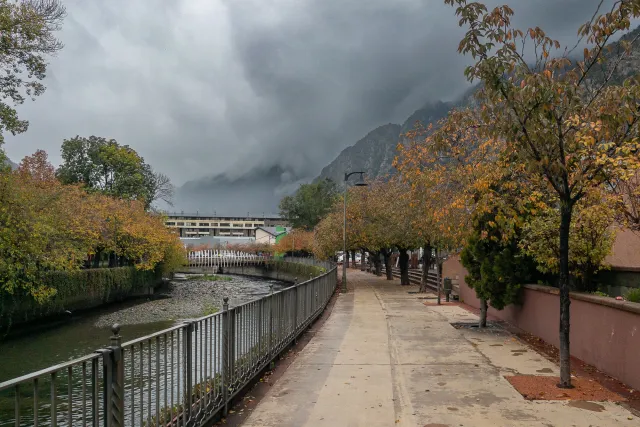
(85, 332)
(181, 300)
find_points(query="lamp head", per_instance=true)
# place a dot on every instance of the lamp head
(360, 182)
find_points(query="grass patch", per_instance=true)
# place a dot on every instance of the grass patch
(211, 278)
(633, 295)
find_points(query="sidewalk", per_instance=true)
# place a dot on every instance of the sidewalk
(383, 358)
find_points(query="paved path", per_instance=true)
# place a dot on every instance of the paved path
(383, 358)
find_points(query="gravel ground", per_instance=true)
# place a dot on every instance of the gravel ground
(190, 299)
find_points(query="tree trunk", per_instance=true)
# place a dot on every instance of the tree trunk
(387, 263)
(438, 273)
(362, 263)
(96, 258)
(565, 321)
(426, 262)
(112, 259)
(483, 313)
(353, 259)
(377, 263)
(404, 267)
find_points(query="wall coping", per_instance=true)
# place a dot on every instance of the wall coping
(632, 307)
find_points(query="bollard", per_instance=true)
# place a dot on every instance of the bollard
(447, 288)
(113, 385)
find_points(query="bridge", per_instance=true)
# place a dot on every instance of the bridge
(182, 376)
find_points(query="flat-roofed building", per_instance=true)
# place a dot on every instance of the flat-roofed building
(198, 225)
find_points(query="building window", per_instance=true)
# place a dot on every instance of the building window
(170, 223)
(204, 224)
(192, 224)
(181, 224)
(224, 224)
(237, 225)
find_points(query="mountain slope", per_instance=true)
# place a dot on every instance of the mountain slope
(10, 163)
(374, 153)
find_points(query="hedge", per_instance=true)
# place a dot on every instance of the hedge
(304, 271)
(76, 290)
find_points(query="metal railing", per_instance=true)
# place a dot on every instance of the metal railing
(222, 258)
(181, 376)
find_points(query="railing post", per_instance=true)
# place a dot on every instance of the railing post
(113, 375)
(188, 370)
(225, 355)
(295, 313)
(270, 320)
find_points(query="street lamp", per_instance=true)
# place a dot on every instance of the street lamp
(359, 183)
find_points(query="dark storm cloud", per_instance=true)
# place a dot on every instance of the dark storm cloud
(207, 87)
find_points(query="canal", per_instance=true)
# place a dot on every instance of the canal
(84, 333)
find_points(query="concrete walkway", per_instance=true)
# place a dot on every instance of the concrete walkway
(383, 358)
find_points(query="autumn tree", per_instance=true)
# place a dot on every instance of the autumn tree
(327, 236)
(449, 167)
(296, 242)
(309, 204)
(591, 238)
(564, 118)
(48, 226)
(38, 227)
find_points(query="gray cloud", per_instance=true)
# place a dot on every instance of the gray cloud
(207, 87)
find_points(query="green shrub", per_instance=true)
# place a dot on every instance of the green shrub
(600, 294)
(74, 290)
(303, 271)
(633, 295)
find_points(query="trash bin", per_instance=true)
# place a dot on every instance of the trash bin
(447, 288)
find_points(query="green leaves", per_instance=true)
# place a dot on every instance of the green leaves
(110, 168)
(309, 204)
(27, 38)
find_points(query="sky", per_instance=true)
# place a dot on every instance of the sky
(208, 87)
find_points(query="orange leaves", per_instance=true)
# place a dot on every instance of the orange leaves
(297, 239)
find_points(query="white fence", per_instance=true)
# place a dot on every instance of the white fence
(222, 258)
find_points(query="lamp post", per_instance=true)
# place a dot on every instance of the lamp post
(359, 183)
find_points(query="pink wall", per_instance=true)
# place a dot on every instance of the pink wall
(604, 332)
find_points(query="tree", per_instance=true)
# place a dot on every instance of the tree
(113, 169)
(309, 204)
(27, 39)
(572, 128)
(497, 266)
(296, 242)
(158, 185)
(48, 226)
(449, 168)
(591, 238)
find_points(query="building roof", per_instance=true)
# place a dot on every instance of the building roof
(217, 240)
(274, 231)
(625, 254)
(251, 216)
